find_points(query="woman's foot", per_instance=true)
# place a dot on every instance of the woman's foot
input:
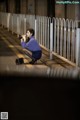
(33, 62)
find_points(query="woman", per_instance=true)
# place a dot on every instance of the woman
(32, 45)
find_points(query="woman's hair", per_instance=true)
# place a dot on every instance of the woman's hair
(31, 31)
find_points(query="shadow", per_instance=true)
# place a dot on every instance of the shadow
(27, 63)
(5, 50)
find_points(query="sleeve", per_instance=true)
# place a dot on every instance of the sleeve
(26, 45)
(23, 44)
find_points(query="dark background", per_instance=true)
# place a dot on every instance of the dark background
(27, 98)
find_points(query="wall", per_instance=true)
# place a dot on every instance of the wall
(31, 6)
(28, 7)
(2, 7)
(24, 6)
(59, 11)
(77, 12)
(41, 7)
(11, 6)
(71, 11)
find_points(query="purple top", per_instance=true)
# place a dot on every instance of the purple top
(32, 45)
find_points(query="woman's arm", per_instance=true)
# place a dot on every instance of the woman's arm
(23, 41)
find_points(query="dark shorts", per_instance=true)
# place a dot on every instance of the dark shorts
(37, 54)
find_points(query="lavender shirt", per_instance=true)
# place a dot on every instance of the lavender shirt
(32, 45)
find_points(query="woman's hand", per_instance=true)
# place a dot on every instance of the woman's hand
(24, 38)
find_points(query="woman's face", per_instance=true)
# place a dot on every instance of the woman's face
(28, 34)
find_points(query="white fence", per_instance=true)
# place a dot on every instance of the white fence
(57, 35)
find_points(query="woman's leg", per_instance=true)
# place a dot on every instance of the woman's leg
(28, 53)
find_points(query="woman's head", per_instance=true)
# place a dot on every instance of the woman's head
(30, 32)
